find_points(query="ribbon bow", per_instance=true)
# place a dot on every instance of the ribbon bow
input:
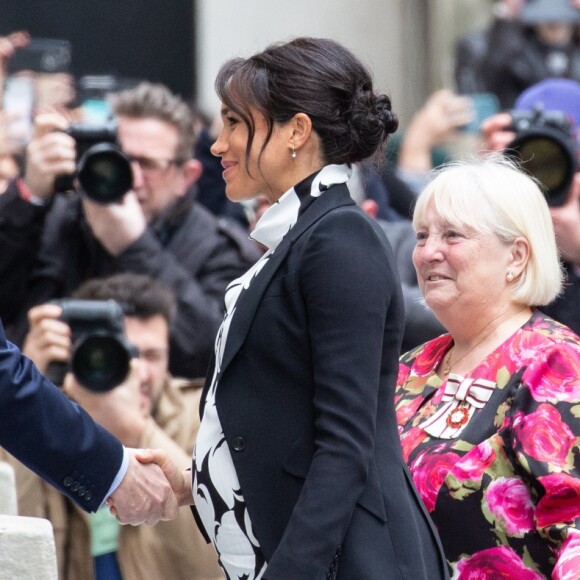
(461, 397)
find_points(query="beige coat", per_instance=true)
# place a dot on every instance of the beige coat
(173, 549)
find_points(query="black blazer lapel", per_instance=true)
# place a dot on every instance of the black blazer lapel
(336, 196)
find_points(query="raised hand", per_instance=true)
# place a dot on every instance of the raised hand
(123, 410)
(50, 153)
(495, 135)
(116, 225)
(144, 496)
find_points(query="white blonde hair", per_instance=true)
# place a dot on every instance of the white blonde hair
(492, 195)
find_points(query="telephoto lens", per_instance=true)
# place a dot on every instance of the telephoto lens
(101, 355)
(103, 171)
(546, 148)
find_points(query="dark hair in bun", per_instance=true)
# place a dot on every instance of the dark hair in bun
(318, 77)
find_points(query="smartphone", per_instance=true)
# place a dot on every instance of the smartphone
(484, 105)
(18, 105)
(42, 55)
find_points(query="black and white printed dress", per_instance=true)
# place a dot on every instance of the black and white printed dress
(216, 490)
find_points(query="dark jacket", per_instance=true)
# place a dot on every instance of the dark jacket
(516, 59)
(305, 399)
(566, 308)
(53, 251)
(53, 436)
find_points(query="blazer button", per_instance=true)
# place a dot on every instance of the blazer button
(75, 485)
(67, 481)
(238, 443)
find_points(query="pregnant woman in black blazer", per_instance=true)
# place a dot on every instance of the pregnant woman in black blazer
(297, 471)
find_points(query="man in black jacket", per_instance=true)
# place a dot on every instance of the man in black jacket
(52, 243)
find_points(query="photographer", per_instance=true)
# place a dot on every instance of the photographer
(55, 242)
(149, 408)
(553, 95)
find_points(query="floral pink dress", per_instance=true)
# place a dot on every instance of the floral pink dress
(495, 456)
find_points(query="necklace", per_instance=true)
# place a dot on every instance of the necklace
(447, 361)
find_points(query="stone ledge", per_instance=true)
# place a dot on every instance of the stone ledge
(27, 549)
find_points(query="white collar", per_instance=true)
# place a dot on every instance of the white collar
(281, 216)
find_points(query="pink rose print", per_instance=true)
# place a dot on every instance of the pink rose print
(429, 471)
(562, 500)
(473, 465)
(410, 440)
(557, 378)
(544, 436)
(407, 409)
(425, 362)
(495, 563)
(509, 501)
(404, 371)
(569, 561)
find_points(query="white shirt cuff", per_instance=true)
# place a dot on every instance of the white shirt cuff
(120, 475)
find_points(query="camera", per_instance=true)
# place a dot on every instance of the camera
(546, 147)
(103, 171)
(101, 354)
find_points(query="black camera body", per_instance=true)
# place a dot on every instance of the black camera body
(546, 147)
(103, 171)
(101, 354)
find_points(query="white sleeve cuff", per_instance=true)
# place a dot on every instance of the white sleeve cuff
(120, 475)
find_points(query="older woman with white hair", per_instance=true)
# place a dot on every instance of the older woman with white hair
(489, 413)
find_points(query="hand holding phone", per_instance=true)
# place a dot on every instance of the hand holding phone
(483, 106)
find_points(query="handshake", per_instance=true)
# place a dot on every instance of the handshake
(153, 489)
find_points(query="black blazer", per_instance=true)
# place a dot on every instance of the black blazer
(305, 399)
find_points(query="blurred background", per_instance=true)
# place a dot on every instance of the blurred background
(408, 44)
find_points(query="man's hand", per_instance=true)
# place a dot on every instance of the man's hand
(50, 153)
(179, 480)
(116, 225)
(8, 44)
(124, 410)
(49, 339)
(144, 495)
(436, 122)
(495, 136)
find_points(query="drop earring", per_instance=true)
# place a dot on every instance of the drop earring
(293, 152)
(509, 276)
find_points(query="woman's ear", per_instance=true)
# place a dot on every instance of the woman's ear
(301, 130)
(520, 255)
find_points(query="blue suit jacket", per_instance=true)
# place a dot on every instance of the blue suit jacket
(305, 399)
(51, 435)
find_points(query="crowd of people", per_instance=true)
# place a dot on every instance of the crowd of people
(345, 368)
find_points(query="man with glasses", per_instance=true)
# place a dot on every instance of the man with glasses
(149, 409)
(55, 242)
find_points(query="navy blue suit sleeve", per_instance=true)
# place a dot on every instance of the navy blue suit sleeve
(53, 436)
(347, 280)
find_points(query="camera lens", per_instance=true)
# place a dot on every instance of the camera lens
(100, 362)
(550, 162)
(104, 173)
(546, 148)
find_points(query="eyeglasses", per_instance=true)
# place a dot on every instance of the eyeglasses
(152, 166)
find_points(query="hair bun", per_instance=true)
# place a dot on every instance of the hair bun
(371, 120)
(384, 109)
